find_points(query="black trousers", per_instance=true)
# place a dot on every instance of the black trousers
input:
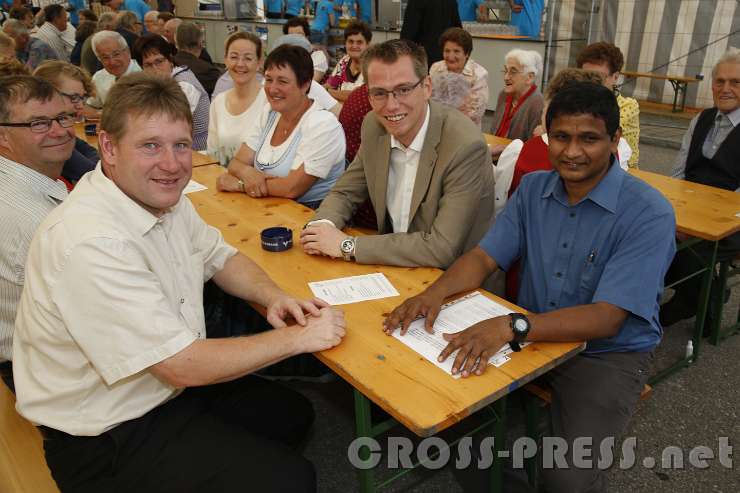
(593, 396)
(233, 437)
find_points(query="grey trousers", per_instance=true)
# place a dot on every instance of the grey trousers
(593, 396)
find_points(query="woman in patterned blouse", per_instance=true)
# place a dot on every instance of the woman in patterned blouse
(457, 45)
(347, 75)
(607, 59)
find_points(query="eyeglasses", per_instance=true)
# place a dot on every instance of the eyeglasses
(734, 83)
(380, 95)
(43, 125)
(156, 63)
(510, 71)
(74, 98)
(113, 56)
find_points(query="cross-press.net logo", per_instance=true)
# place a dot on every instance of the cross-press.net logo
(555, 453)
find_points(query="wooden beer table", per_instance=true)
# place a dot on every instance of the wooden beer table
(492, 140)
(706, 214)
(198, 158)
(380, 368)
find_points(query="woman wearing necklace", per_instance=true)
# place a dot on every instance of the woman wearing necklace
(296, 149)
(519, 106)
(235, 110)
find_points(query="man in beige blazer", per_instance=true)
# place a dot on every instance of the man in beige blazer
(424, 167)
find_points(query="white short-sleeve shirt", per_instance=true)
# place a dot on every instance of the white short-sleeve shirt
(110, 291)
(226, 131)
(322, 142)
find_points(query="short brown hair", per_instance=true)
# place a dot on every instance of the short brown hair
(252, 38)
(13, 67)
(302, 22)
(188, 36)
(50, 70)
(142, 94)
(602, 52)
(18, 89)
(126, 20)
(391, 50)
(358, 27)
(568, 76)
(458, 36)
(295, 58)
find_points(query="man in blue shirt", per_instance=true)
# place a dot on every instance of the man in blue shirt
(273, 9)
(468, 9)
(594, 245)
(293, 8)
(366, 13)
(324, 19)
(526, 15)
(138, 7)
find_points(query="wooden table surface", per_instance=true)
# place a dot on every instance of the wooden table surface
(702, 211)
(679, 78)
(414, 391)
(493, 140)
(198, 158)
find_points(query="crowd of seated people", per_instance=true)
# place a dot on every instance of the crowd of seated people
(382, 141)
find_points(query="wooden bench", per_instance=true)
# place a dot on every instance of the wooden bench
(22, 464)
(679, 83)
(546, 396)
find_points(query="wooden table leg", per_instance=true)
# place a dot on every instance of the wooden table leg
(363, 428)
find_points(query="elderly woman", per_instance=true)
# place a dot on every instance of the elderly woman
(457, 45)
(75, 85)
(519, 105)
(347, 74)
(297, 149)
(155, 55)
(238, 108)
(607, 60)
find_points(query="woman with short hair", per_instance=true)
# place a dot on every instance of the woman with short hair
(156, 55)
(520, 103)
(347, 75)
(457, 46)
(297, 149)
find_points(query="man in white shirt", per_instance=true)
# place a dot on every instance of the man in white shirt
(36, 138)
(113, 52)
(52, 32)
(110, 355)
(422, 165)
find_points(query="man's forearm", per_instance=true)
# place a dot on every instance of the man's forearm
(577, 323)
(468, 272)
(243, 278)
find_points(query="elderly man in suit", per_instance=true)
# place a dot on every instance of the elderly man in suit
(423, 166)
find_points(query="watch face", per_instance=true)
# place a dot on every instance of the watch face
(347, 245)
(520, 325)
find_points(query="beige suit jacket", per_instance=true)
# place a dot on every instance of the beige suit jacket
(452, 202)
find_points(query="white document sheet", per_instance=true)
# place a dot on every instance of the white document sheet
(193, 186)
(353, 289)
(454, 317)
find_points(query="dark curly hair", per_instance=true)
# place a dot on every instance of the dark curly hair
(602, 52)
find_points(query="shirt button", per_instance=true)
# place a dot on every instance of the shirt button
(182, 300)
(565, 245)
(552, 303)
(558, 274)
(572, 214)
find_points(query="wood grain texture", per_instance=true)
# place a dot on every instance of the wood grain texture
(701, 211)
(411, 389)
(679, 78)
(493, 140)
(22, 464)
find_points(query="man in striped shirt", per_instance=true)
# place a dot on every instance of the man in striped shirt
(36, 138)
(54, 32)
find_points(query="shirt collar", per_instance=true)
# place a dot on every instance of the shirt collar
(418, 141)
(734, 116)
(138, 218)
(33, 179)
(604, 194)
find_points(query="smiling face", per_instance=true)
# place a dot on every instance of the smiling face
(454, 57)
(580, 148)
(242, 61)
(154, 62)
(152, 162)
(44, 152)
(355, 46)
(114, 57)
(516, 81)
(402, 117)
(726, 87)
(282, 89)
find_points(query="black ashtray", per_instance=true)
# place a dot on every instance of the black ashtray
(277, 239)
(91, 129)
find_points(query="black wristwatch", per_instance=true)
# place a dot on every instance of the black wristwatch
(520, 327)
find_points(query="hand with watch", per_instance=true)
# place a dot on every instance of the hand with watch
(323, 238)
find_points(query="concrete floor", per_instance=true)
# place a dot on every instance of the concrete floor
(694, 407)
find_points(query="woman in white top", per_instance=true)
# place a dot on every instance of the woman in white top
(457, 45)
(297, 149)
(234, 111)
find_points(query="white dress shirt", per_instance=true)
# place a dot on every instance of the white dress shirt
(104, 81)
(26, 197)
(402, 176)
(110, 291)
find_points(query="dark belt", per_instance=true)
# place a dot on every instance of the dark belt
(52, 434)
(6, 366)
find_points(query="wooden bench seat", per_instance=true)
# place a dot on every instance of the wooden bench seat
(22, 464)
